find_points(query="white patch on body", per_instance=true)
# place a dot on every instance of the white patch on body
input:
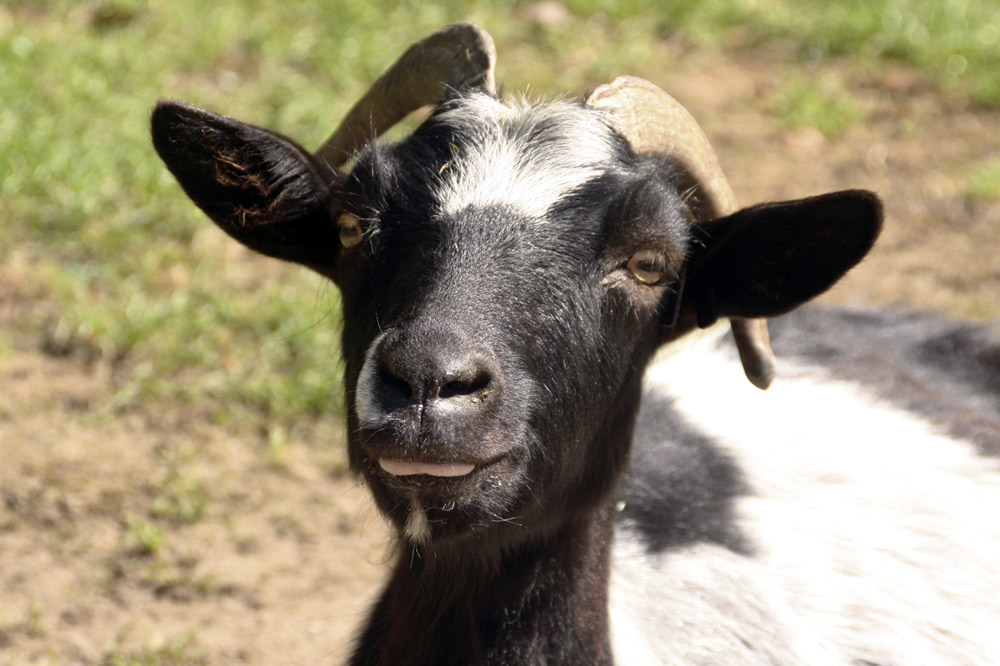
(703, 604)
(503, 161)
(876, 537)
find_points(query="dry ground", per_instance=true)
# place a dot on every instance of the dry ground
(272, 557)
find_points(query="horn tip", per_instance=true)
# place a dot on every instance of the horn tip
(754, 346)
(762, 377)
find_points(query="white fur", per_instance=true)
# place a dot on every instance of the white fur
(501, 162)
(704, 604)
(876, 537)
(417, 528)
(368, 416)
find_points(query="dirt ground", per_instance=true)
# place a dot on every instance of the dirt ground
(286, 553)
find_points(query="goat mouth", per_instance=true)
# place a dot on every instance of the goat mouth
(417, 468)
(456, 480)
(442, 502)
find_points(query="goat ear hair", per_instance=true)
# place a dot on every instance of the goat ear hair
(769, 259)
(261, 188)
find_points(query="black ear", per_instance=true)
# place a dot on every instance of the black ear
(769, 259)
(263, 189)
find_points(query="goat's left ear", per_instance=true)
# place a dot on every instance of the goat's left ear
(261, 188)
(769, 259)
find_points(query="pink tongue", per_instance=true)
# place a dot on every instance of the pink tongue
(408, 468)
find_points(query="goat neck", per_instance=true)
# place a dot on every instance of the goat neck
(541, 604)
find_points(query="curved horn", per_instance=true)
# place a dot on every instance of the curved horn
(456, 56)
(654, 122)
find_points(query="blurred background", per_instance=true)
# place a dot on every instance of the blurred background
(172, 484)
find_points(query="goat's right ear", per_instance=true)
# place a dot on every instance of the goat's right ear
(261, 188)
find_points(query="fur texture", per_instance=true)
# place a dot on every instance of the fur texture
(871, 531)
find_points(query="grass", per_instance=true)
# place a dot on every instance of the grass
(144, 538)
(181, 496)
(138, 279)
(157, 651)
(804, 102)
(957, 42)
(984, 180)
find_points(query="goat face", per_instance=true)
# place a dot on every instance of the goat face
(493, 313)
(506, 273)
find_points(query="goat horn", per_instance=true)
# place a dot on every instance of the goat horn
(456, 56)
(654, 122)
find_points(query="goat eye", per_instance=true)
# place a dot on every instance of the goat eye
(648, 266)
(350, 230)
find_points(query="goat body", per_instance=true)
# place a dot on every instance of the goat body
(507, 273)
(846, 516)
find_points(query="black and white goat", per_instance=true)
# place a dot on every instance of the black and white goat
(508, 272)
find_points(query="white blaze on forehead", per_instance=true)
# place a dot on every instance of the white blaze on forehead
(521, 155)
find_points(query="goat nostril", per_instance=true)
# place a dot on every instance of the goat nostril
(399, 387)
(456, 386)
(401, 391)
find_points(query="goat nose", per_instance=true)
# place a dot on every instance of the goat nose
(436, 375)
(459, 381)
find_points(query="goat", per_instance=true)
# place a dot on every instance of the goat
(507, 273)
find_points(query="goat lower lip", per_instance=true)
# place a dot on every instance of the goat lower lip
(412, 468)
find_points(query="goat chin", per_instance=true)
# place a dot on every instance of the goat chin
(871, 533)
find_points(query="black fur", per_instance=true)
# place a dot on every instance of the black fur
(543, 604)
(750, 265)
(679, 487)
(516, 289)
(261, 188)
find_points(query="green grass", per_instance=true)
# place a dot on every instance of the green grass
(156, 651)
(957, 42)
(983, 182)
(805, 102)
(181, 496)
(144, 538)
(139, 279)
